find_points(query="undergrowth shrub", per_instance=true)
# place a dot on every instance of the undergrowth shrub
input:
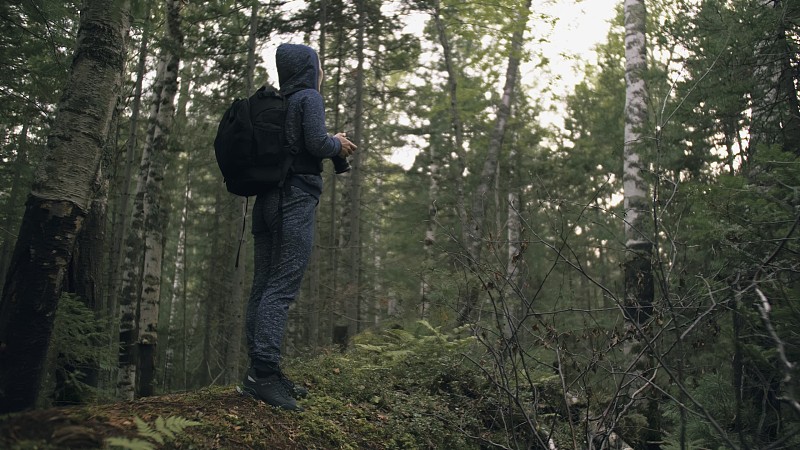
(79, 347)
(403, 388)
(161, 432)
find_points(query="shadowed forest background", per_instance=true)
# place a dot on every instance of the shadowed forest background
(628, 277)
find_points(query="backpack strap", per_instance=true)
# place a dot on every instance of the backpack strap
(244, 226)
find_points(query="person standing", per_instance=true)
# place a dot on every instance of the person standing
(283, 225)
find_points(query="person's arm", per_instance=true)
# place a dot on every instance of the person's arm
(317, 140)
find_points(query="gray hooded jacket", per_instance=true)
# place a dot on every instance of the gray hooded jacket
(298, 73)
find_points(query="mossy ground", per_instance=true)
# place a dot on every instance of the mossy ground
(358, 400)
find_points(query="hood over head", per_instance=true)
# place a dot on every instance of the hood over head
(298, 68)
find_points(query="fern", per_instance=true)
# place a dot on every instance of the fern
(129, 444)
(146, 431)
(164, 430)
(397, 345)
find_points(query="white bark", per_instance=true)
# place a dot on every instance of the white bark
(514, 233)
(153, 216)
(430, 232)
(178, 283)
(634, 186)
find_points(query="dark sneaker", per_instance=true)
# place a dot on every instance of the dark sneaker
(271, 389)
(296, 390)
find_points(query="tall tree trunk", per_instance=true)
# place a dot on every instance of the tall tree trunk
(86, 278)
(638, 268)
(179, 274)
(178, 285)
(355, 304)
(378, 287)
(315, 264)
(337, 326)
(132, 264)
(154, 215)
(59, 201)
(478, 223)
(123, 204)
(330, 182)
(210, 306)
(514, 261)
(132, 232)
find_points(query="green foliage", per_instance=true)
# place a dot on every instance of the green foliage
(79, 344)
(406, 388)
(161, 432)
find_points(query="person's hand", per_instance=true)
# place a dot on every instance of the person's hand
(348, 148)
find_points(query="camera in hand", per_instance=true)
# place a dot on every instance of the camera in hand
(340, 165)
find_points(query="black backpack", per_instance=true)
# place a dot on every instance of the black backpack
(251, 148)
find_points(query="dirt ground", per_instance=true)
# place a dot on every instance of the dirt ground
(226, 420)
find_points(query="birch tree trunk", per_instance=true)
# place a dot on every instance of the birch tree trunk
(123, 205)
(179, 269)
(638, 248)
(59, 200)
(178, 284)
(154, 216)
(489, 171)
(638, 268)
(514, 257)
(131, 273)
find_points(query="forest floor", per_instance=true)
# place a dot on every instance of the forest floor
(355, 402)
(227, 420)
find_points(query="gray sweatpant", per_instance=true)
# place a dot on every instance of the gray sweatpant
(278, 272)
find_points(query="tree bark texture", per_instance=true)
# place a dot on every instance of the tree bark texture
(59, 201)
(638, 268)
(355, 307)
(122, 210)
(514, 261)
(154, 216)
(131, 273)
(178, 294)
